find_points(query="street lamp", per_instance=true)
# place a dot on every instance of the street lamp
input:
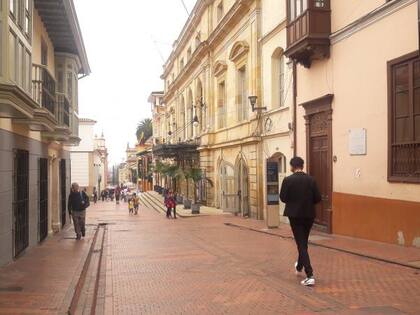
(253, 101)
(195, 121)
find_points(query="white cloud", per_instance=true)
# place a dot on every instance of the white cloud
(124, 40)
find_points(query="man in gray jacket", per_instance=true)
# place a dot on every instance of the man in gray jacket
(77, 204)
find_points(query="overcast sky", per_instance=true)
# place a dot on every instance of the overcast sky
(124, 40)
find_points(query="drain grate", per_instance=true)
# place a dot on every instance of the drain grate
(11, 289)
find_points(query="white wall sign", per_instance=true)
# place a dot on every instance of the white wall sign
(357, 141)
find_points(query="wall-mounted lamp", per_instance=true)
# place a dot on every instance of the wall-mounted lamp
(195, 121)
(253, 101)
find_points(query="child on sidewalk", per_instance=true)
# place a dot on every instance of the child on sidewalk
(130, 205)
(136, 203)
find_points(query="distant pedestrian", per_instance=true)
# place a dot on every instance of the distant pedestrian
(77, 204)
(300, 193)
(95, 195)
(170, 204)
(130, 205)
(103, 195)
(117, 195)
(136, 203)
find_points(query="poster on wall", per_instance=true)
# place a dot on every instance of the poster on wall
(357, 141)
(272, 183)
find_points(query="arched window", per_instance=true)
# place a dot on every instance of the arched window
(278, 78)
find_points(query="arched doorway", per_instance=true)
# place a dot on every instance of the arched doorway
(227, 191)
(242, 188)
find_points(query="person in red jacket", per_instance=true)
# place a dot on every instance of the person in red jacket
(170, 203)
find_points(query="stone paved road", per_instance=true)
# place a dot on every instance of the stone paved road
(202, 266)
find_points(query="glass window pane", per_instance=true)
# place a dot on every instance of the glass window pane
(417, 127)
(401, 104)
(402, 130)
(417, 100)
(401, 78)
(417, 74)
(298, 7)
(292, 10)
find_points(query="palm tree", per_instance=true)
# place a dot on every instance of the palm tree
(144, 130)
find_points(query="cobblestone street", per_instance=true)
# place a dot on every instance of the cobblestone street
(152, 265)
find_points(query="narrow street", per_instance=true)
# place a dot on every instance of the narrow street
(151, 265)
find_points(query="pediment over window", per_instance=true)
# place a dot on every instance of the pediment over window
(238, 51)
(220, 67)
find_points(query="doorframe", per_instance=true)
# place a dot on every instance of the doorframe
(240, 164)
(316, 106)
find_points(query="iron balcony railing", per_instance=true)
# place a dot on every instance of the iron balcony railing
(43, 88)
(63, 110)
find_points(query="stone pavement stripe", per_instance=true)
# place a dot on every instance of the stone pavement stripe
(314, 243)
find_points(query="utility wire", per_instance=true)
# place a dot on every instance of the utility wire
(185, 7)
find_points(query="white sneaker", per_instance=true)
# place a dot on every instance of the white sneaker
(297, 272)
(308, 282)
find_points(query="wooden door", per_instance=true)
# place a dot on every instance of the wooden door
(321, 170)
(227, 184)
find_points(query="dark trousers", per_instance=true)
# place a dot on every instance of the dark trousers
(169, 212)
(301, 227)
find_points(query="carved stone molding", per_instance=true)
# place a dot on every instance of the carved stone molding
(219, 68)
(238, 51)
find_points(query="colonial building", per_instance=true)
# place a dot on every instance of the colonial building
(42, 56)
(89, 159)
(358, 113)
(229, 97)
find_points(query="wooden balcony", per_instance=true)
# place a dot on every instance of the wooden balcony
(43, 88)
(308, 35)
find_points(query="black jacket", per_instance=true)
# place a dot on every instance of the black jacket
(300, 193)
(78, 201)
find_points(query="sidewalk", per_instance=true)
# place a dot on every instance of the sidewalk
(406, 256)
(44, 279)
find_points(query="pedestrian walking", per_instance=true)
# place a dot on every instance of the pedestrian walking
(170, 203)
(136, 203)
(130, 205)
(300, 193)
(77, 204)
(117, 195)
(103, 195)
(95, 195)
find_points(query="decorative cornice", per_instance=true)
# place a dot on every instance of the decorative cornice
(238, 51)
(219, 68)
(372, 17)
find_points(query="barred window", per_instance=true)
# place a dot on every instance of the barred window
(404, 119)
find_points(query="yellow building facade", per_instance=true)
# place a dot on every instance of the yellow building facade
(42, 56)
(217, 63)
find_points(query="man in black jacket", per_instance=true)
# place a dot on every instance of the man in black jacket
(300, 193)
(77, 205)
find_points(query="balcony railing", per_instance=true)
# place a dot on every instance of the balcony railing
(43, 88)
(63, 110)
(308, 35)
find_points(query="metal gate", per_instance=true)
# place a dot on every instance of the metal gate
(20, 201)
(43, 199)
(63, 191)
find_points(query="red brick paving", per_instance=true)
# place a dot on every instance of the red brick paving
(45, 276)
(202, 266)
